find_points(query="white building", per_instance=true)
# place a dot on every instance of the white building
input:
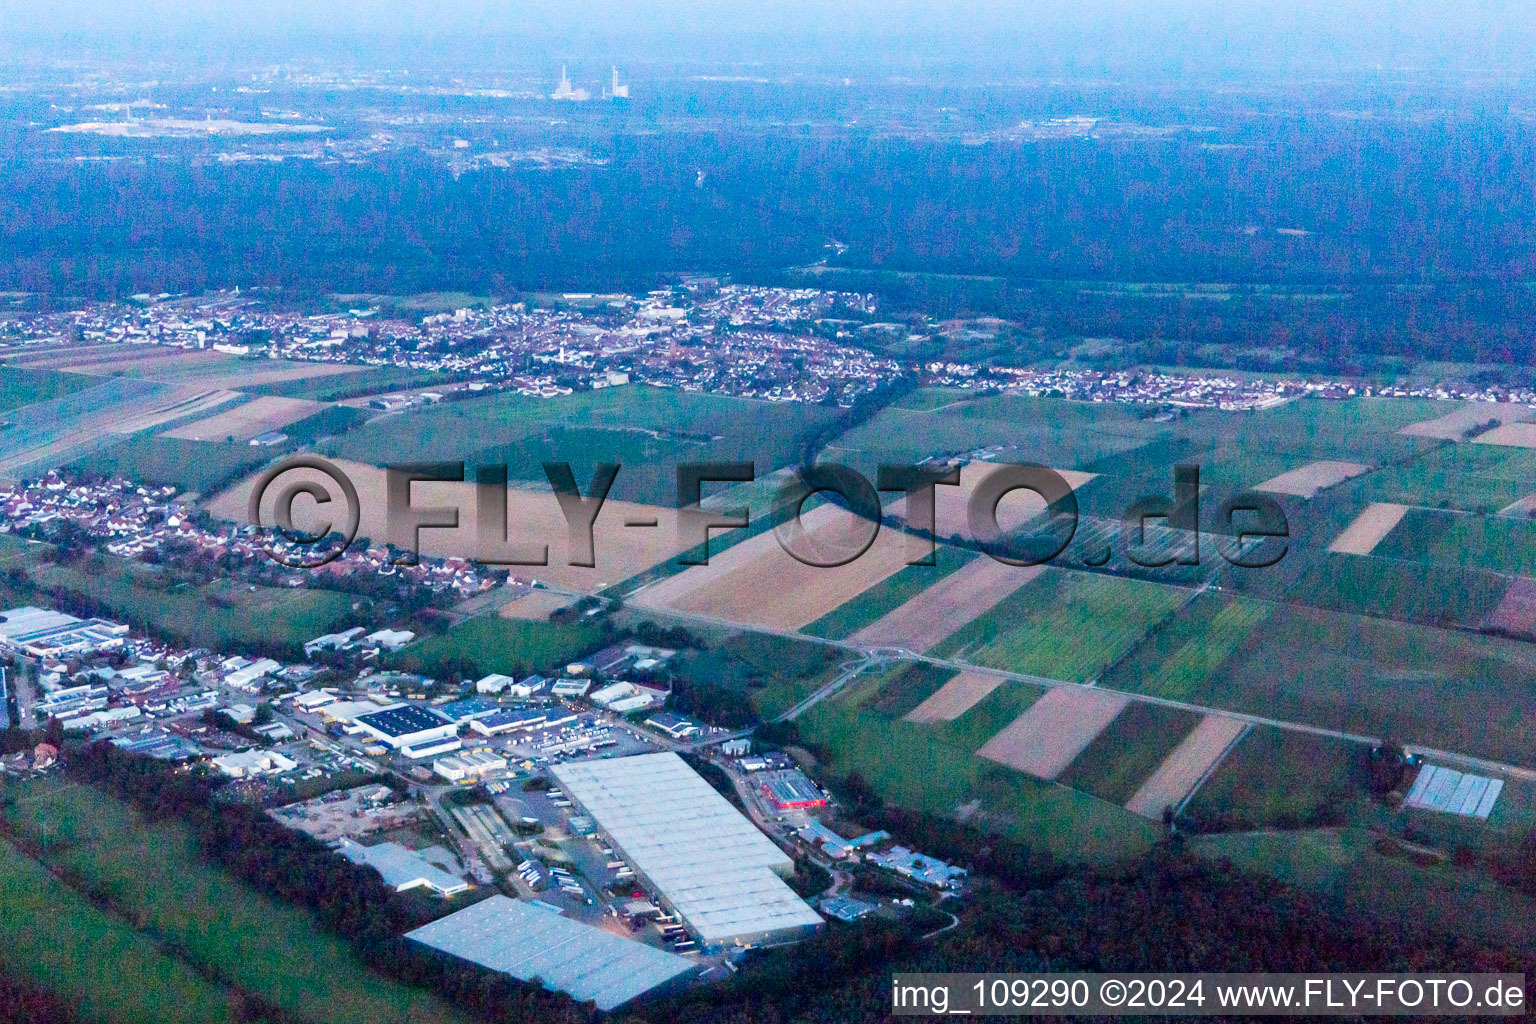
(313, 700)
(247, 678)
(493, 683)
(472, 764)
(403, 868)
(407, 725)
(254, 762)
(708, 863)
(389, 639)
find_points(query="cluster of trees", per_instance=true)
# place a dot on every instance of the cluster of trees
(1389, 239)
(26, 1003)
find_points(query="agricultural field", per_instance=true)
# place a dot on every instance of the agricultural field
(1242, 450)
(1499, 543)
(493, 643)
(1186, 766)
(957, 696)
(107, 971)
(351, 382)
(1013, 428)
(1434, 687)
(154, 876)
(934, 768)
(1055, 729)
(1437, 595)
(258, 416)
(1467, 418)
(1276, 778)
(201, 467)
(1368, 529)
(895, 591)
(1116, 763)
(908, 688)
(182, 367)
(1178, 660)
(647, 430)
(1306, 481)
(1064, 625)
(20, 386)
(47, 432)
(758, 583)
(1469, 477)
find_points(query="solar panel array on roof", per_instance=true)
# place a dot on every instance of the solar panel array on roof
(404, 720)
(1453, 792)
(527, 942)
(707, 861)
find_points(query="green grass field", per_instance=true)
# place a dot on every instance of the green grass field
(338, 387)
(1420, 684)
(1280, 779)
(1064, 625)
(1126, 753)
(107, 971)
(1441, 595)
(511, 646)
(647, 430)
(933, 768)
(202, 466)
(1050, 431)
(905, 687)
(1479, 478)
(152, 873)
(1191, 649)
(20, 386)
(1502, 544)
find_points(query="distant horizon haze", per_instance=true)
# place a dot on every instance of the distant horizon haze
(980, 38)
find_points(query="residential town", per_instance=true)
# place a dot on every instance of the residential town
(773, 344)
(152, 523)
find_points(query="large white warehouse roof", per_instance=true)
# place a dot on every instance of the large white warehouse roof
(704, 859)
(527, 942)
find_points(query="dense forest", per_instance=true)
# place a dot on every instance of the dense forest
(1329, 236)
(1167, 912)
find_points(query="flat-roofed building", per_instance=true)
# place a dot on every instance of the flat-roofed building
(254, 762)
(44, 633)
(407, 725)
(709, 864)
(470, 765)
(493, 683)
(403, 868)
(570, 687)
(469, 708)
(791, 790)
(528, 942)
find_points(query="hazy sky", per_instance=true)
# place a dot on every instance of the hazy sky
(1297, 34)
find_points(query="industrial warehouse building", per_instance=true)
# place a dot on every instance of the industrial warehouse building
(708, 863)
(404, 869)
(528, 942)
(407, 725)
(43, 633)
